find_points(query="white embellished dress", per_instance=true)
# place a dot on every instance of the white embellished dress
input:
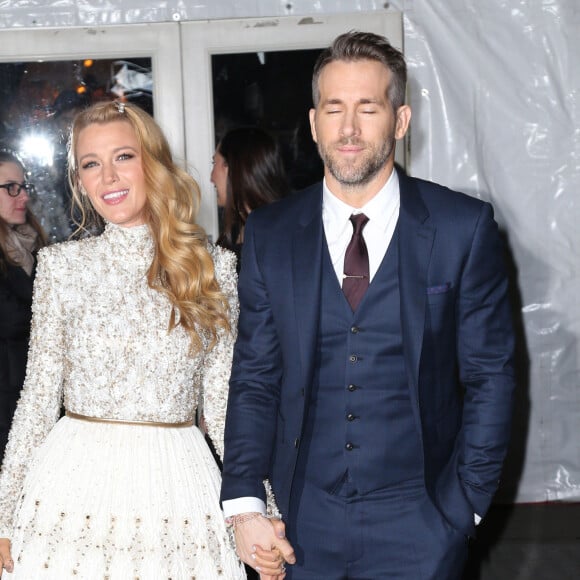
(104, 500)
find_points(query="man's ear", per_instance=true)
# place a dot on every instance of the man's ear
(312, 116)
(402, 121)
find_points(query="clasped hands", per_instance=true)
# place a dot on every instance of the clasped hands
(261, 543)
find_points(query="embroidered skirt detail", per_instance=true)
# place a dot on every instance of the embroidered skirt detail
(115, 501)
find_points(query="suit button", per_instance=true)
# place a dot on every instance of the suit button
(353, 358)
(350, 417)
(296, 442)
(354, 329)
(349, 446)
(351, 388)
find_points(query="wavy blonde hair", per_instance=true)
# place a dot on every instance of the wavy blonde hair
(182, 267)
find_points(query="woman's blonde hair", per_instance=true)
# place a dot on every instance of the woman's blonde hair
(182, 267)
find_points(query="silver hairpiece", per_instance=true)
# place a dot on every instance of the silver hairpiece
(120, 107)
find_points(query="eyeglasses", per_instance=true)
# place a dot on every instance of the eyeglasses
(14, 188)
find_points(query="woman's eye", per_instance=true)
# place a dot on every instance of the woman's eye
(125, 156)
(89, 164)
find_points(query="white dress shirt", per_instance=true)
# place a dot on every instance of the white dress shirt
(382, 211)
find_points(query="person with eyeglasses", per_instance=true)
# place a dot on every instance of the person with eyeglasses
(20, 238)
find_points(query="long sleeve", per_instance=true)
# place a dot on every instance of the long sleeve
(40, 402)
(217, 365)
(485, 353)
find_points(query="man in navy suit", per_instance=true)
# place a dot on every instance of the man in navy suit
(382, 425)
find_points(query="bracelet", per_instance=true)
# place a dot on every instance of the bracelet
(238, 519)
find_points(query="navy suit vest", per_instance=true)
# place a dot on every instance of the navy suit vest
(360, 423)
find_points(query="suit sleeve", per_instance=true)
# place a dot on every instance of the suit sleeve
(254, 385)
(485, 346)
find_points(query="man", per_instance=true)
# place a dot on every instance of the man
(379, 412)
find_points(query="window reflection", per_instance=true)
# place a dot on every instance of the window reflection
(38, 101)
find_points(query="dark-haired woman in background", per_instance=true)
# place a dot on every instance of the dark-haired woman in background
(248, 171)
(20, 238)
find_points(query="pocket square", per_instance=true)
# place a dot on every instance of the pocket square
(439, 289)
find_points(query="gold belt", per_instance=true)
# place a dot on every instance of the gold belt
(122, 422)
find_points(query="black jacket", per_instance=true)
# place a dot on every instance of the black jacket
(15, 315)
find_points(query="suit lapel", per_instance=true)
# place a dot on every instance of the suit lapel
(415, 245)
(307, 246)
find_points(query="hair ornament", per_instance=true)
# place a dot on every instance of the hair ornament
(120, 107)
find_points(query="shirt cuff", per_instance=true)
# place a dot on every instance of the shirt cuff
(242, 505)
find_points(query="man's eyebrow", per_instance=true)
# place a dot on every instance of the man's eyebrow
(362, 101)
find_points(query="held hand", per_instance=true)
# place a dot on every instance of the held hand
(267, 561)
(261, 543)
(6, 562)
(280, 531)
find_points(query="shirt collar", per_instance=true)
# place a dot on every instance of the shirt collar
(380, 209)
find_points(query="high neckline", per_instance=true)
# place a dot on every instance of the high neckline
(132, 245)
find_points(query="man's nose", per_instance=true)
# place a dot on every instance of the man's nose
(349, 126)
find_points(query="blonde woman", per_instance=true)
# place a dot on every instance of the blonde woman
(132, 330)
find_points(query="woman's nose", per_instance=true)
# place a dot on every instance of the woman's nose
(110, 173)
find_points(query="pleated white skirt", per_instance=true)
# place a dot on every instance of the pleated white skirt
(122, 502)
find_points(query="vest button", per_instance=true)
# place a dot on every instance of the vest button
(351, 388)
(350, 417)
(349, 446)
(353, 358)
(354, 329)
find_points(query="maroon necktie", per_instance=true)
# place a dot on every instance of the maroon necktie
(356, 263)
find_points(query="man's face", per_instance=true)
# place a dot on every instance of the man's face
(355, 126)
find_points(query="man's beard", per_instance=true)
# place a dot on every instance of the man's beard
(353, 174)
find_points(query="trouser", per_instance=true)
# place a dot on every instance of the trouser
(394, 533)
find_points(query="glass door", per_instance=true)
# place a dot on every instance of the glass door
(258, 71)
(47, 75)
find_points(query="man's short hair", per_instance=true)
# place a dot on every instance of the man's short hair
(354, 46)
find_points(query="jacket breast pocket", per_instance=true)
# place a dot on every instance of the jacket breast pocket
(439, 294)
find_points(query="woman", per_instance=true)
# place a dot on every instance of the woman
(20, 238)
(248, 171)
(131, 330)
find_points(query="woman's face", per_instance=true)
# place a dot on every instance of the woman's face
(219, 177)
(12, 209)
(110, 170)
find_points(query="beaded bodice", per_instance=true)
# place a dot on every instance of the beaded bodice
(100, 344)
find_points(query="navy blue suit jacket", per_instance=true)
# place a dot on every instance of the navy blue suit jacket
(457, 340)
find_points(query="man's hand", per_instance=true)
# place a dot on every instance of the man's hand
(261, 543)
(6, 562)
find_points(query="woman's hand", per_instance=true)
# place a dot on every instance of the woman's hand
(6, 561)
(261, 543)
